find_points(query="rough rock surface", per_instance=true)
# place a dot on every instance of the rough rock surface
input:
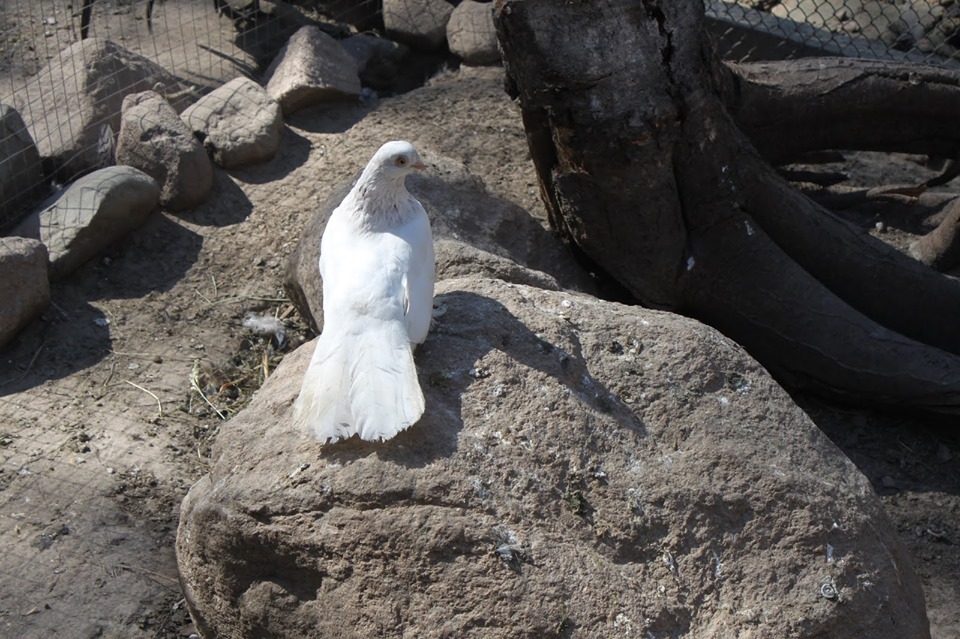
(471, 34)
(94, 211)
(583, 469)
(75, 123)
(475, 232)
(21, 176)
(154, 139)
(238, 123)
(420, 23)
(310, 69)
(24, 287)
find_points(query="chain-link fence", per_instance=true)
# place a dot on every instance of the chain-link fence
(61, 86)
(922, 31)
(200, 44)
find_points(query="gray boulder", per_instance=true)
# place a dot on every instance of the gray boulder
(75, 123)
(475, 232)
(21, 175)
(312, 68)
(155, 140)
(471, 34)
(91, 213)
(238, 123)
(420, 23)
(583, 469)
(24, 287)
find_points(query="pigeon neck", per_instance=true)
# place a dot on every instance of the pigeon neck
(381, 200)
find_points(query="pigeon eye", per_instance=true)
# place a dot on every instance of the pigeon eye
(401, 161)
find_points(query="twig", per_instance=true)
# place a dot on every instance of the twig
(159, 405)
(215, 292)
(163, 580)
(195, 384)
(247, 298)
(33, 360)
(202, 296)
(113, 367)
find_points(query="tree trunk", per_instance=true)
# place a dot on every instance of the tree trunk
(643, 166)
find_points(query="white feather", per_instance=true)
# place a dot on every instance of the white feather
(378, 268)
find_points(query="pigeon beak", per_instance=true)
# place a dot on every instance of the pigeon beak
(419, 166)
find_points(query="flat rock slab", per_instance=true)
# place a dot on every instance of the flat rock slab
(21, 174)
(312, 68)
(475, 232)
(154, 139)
(471, 34)
(90, 214)
(239, 123)
(583, 469)
(422, 24)
(24, 287)
(75, 123)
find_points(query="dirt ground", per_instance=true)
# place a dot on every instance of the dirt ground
(109, 403)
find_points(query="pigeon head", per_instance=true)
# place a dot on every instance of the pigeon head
(396, 159)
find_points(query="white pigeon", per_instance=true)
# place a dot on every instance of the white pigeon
(378, 267)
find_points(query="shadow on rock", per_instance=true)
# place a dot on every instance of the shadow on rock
(471, 328)
(476, 232)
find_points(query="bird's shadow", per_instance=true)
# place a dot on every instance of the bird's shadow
(472, 326)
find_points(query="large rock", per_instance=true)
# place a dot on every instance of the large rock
(420, 23)
(24, 287)
(475, 232)
(21, 174)
(154, 139)
(239, 123)
(75, 123)
(471, 34)
(90, 214)
(312, 68)
(583, 469)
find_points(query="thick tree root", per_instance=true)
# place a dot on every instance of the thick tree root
(808, 337)
(642, 167)
(792, 107)
(940, 249)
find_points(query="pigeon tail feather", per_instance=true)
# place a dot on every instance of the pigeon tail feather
(360, 382)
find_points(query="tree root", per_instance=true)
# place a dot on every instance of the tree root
(940, 248)
(644, 169)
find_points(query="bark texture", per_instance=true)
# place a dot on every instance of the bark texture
(643, 165)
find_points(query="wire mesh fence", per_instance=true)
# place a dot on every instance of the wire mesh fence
(190, 46)
(922, 31)
(52, 77)
(185, 48)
